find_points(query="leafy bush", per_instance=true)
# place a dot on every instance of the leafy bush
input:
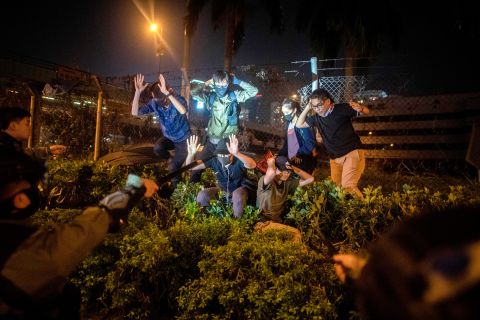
(177, 259)
(261, 276)
(138, 272)
(133, 286)
(184, 200)
(74, 127)
(353, 223)
(75, 184)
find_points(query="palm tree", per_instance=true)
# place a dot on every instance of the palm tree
(357, 27)
(231, 14)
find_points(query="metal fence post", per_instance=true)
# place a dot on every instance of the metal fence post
(33, 118)
(314, 68)
(185, 92)
(98, 126)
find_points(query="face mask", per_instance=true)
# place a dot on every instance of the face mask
(288, 117)
(224, 160)
(220, 91)
(8, 211)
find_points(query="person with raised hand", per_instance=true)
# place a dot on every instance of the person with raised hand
(230, 167)
(171, 112)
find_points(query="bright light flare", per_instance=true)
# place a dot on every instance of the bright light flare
(153, 27)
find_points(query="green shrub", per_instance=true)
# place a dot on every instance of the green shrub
(353, 223)
(137, 273)
(184, 201)
(177, 259)
(261, 276)
(134, 285)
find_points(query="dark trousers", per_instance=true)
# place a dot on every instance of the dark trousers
(308, 163)
(208, 151)
(239, 199)
(161, 148)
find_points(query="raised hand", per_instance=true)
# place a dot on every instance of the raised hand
(271, 162)
(288, 166)
(296, 160)
(162, 84)
(138, 80)
(233, 145)
(309, 106)
(57, 149)
(356, 106)
(192, 145)
(209, 82)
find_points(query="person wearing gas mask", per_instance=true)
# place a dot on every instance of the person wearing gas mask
(299, 145)
(276, 185)
(171, 111)
(230, 167)
(221, 100)
(35, 261)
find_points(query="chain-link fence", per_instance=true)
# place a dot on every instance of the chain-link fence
(399, 125)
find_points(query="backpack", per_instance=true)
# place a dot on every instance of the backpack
(232, 110)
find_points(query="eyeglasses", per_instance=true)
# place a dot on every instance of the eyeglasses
(318, 106)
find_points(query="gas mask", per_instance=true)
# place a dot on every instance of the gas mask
(9, 211)
(16, 170)
(224, 159)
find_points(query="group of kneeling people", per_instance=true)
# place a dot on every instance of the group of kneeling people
(291, 168)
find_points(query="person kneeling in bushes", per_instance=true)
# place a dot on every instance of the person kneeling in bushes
(276, 185)
(230, 167)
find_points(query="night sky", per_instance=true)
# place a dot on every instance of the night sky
(112, 38)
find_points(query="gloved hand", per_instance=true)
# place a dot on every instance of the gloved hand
(119, 204)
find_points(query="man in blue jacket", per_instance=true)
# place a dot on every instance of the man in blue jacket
(171, 110)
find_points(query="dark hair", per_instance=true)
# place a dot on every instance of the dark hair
(292, 105)
(220, 75)
(321, 94)
(281, 163)
(10, 114)
(157, 93)
(397, 277)
(155, 90)
(196, 88)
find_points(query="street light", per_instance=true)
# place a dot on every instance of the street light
(158, 42)
(153, 27)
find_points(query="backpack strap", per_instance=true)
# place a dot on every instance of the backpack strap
(211, 100)
(232, 111)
